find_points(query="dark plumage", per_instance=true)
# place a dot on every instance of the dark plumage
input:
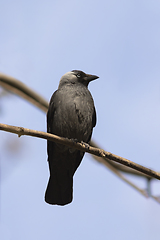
(71, 114)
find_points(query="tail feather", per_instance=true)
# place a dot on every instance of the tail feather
(62, 166)
(59, 192)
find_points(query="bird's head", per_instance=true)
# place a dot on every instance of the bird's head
(75, 77)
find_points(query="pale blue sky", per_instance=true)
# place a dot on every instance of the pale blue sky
(120, 42)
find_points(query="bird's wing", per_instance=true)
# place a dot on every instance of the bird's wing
(50, 117)
(50, 113)
(94, 118)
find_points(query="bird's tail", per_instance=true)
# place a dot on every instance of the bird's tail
(60, 189)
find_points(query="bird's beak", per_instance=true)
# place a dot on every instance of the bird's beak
(90, 77)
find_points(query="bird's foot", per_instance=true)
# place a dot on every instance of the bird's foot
(86, 145)
(74, 140)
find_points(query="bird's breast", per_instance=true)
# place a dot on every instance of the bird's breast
(73, 116)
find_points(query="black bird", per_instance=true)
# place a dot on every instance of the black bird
(71, 114)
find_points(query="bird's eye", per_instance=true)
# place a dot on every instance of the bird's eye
(78, 75)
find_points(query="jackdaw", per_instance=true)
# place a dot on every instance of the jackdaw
(71, 114)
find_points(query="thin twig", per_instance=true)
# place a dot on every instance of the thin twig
(17, 87)
(80, 146)
(156, 198)
(115, 171)
(120, 167)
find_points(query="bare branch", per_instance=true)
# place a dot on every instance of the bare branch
(120, 167)
(115, 171)
(15, 86)
(80, 146)
(156, 198)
